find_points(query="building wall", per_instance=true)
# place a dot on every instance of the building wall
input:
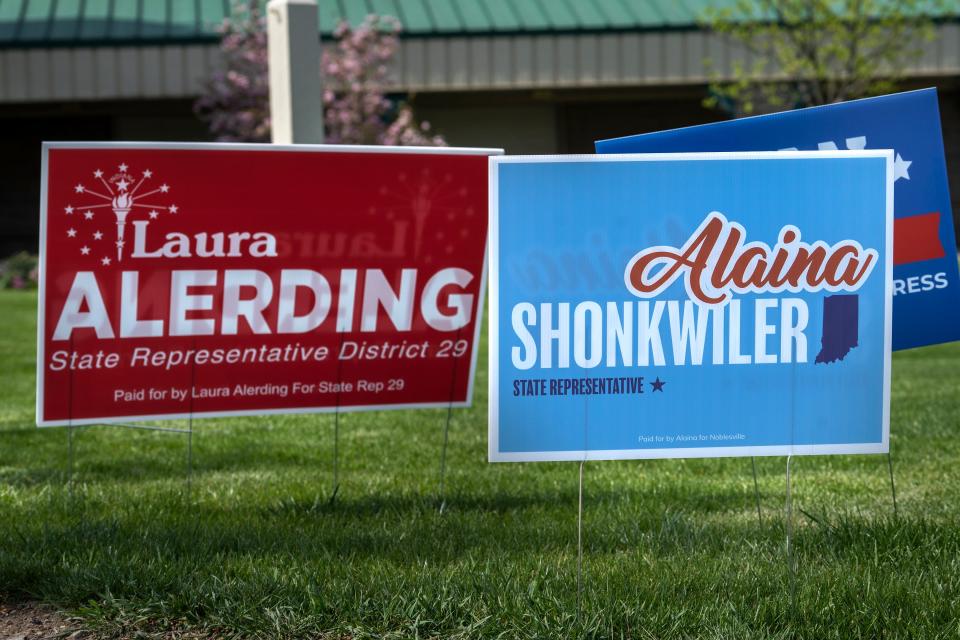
(522, 122)
(25, 127)
(950, 121)
(469, 61)
(559, 121)
(518, 128)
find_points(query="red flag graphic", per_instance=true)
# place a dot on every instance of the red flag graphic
(917, 238)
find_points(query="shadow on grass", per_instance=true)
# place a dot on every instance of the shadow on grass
(399, 529)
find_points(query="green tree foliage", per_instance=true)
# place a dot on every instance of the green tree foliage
(810, 52)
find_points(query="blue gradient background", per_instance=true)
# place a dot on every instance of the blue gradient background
(566, 232)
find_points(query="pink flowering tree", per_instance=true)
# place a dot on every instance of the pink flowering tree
(236, 101)
(355, 73)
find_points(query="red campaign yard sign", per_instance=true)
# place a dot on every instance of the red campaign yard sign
(215, 280)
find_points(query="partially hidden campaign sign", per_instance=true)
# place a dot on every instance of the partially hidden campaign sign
(212, 280)
(926, 283)
(685, 305)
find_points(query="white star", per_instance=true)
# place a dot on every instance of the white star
(153, 215)
(68, 209)
(123, 167)
(173, 208)
(97, 235)
(71, 233)
(164, 188)
(857, 143)
(98, 174)
(88, 215)
(78, 188)
(122, 185)
(901, 168)
(119, 243)
(105, 261)
(147, 173)
(85, 250)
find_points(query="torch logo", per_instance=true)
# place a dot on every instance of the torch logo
(123, 198)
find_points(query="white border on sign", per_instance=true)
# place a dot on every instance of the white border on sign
(493, 235)
(229, 146)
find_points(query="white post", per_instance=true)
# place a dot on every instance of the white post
(293, 53)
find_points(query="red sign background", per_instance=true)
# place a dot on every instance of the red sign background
(376, 213)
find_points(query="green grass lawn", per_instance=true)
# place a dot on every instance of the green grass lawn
(672, 548)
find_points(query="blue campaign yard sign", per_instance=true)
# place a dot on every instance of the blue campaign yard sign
(686, 305)
(926, 283)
